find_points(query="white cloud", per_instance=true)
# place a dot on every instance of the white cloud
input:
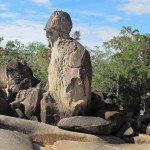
(33, 15)
(114, 19)
(85, 12)
(92, 36)
(29, 11)
(3, 7)
(97, 14)
(8, 15)
(29, 31)
(23, 30)
(106, 33)
(89, 36)
(137, 7)
(41, 2)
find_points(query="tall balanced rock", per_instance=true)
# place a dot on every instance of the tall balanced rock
(69, 71)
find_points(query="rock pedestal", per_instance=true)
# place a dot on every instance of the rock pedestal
(69, 71)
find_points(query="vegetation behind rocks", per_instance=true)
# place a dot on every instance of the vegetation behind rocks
(121, 67)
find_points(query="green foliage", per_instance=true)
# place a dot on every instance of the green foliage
(126, 67)
(102, 75)
(122, 67)
(39, 60)
(35, 54)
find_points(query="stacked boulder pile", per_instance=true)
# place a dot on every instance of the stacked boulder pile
(64, 114)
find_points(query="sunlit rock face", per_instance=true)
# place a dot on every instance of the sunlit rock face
(69, 71)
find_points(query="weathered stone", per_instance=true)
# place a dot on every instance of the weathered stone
(18, 113)
(116, 118)
(4, 108)
(148, 129)
(19, 76)
(3, 76)
(28, 101)
(31, 103)
(109, 101)
(126, 130)
(146, 104)
(60, 21)
(100, 95)
(93, 125)
(128, 139)
(143, 129)
(141, 112)
(145, 119)
(12, 140)
(141, 139)
(14, 76)
(74, 145)
(3, 93)
(147, 111)
(34, 118)
(69, 71)
(14, 105)
(97, 103)
(22, 94)
(135, 123)
(16, 109)
(19, 73)
(49, 110)
(129, 115)
(110, 104)
(47, 134)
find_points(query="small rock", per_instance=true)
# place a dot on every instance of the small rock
(148, 129)
(31, 103)
(110, 104)
(135, 123)
(116, 118)
(34, 118)
(97, 103)
(141, 139)
(49, 111)
(18, 113)
(126, 130)
(129, 115)
(143, 129)
(145, 119)
(128, 140)
(93, 125)
(4, 107)
(100, 95)
(147, 111)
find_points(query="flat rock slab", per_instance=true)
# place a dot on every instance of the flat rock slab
(47, 134)
(74, 145)
(141, 138)
(46, 147)
(92, 125)
(12, 140)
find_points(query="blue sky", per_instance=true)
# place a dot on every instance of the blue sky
(97, 20)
